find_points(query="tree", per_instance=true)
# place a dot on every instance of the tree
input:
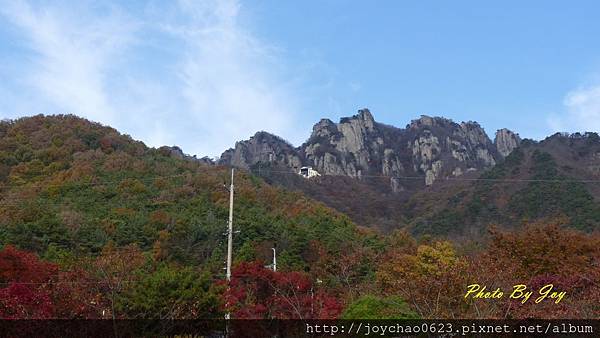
(35, 289)
(24, 267)
(171, 293)
(431, 277)
(540, 254)
(117, 271)
(22, 301)
(25, 293)
(373, 307)
(78, 294)
(257, 292)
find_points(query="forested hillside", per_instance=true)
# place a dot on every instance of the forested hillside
(71, 185)
(557, 177)
(96, 225)
(73, 189)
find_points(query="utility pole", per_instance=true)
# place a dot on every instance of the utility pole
(274, 259)
(230, 229)
(229, 243)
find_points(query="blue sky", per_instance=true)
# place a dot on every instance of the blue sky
(203, 74)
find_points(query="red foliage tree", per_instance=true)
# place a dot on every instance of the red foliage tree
(77, 294)
(23, 301)
(24, 267)
(25, 293)
(257, 292)
(33, 289)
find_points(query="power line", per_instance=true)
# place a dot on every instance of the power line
(285, 172)
(508, 180)
(213, 277)
(205, 169)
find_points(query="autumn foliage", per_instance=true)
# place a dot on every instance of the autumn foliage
(433, 277)
(257, 292)
(96, 225)
(541, 254)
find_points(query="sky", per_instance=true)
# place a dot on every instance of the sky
(205, 74)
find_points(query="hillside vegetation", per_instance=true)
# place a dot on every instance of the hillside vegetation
(535, 182)
(96, 225)
(72, 186)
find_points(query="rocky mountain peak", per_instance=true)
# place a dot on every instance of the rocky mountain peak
(506, 141)
(342, 148)
(324, 128)
(426, 122)
(475, 133)
(366, 117)
(262, 147)
(363, 119)
(423, 121)
(431, 147)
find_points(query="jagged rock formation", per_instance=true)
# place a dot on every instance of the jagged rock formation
(345, 148)
(442, 148)
(262, 147)
(506, 141)
(357, 146)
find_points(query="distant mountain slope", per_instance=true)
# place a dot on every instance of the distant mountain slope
(69, 186)
(427, 176)
(557, 177)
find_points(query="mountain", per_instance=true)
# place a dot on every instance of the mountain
(68, 185)
(556, 178)
(94, 224)
(83, 206)
(358, 146)
(433, 176)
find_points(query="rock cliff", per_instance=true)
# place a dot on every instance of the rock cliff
(261, 148)
(430, 148)
(506, 141)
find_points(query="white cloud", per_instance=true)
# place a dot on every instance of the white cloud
(215, 81)
(72, 52)
(230, 79)
(582, 111)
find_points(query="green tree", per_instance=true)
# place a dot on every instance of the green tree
(374, 307)
(172, 293)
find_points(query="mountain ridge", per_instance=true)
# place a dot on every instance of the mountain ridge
(431, 147)
(435, 176)
(375, 173)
